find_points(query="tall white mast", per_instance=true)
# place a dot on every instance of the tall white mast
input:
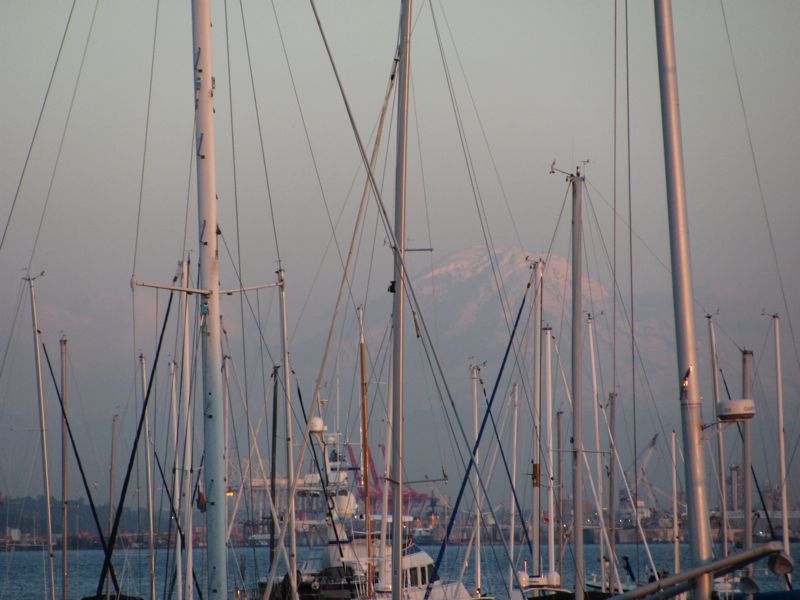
(399, 298)
(113, 461)
(176, 482)
(560, 488)
(210, 343)
(186, 411)
(43, 426)
(148, 444)
(476, 481)
(536, 513)
(287, 393)
(64, 515)
(612, 470)
(782, 443)
(699, 528)
(384, 584)
(747, 456)
(597, 454)
(365, 453)
(577, 369)
(676, 554)
(551, 508)
(512, 509)
(723, 493)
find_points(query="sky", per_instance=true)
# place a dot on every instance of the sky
(533, 82)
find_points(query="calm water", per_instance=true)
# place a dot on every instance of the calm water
(24, 574)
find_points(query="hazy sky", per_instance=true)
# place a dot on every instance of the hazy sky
(540, 78)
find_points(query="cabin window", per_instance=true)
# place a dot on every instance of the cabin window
(423, 574)
(414, 577)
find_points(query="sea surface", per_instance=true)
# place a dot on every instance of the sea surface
(24, 574)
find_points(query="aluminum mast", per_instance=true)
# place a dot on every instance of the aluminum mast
(148, 444)
(43, 426)
(512, 508)
(782, 444)
(551, 510)
(399, 299)
(536, 516)
(699, 529)
(476, 480)
(747, 456)
(287, 393)
(210, 343)
(577, 369)
(723, 495)
(598, 455)
(186, 413)
(64, 529)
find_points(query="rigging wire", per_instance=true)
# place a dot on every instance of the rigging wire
(146, 134)
(473, 180)
(312, 155)
(628, 322)
(330, 241)
(38, 122)
(424, 199)
(61, 140)
(661, 262)
(476, 444)
(17, 311)
(425, 334)
(614, 224)
(611, 467)
(618, 460)
(246, 297)
(260, 134)
(117, 518)
(482, 128)
(240, 271)
(761, 194)
(142, 171)
(79, 462)
(475, 188)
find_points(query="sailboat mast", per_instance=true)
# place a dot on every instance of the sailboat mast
(577, 369)
(186, 412)
(512, 508)
(598, 456)
(782, 443)
(273, 463)
(385, 560)
(551, 510)
(173, 379)
(747, 456)
(210, 343)
(560, 496)
(362, 350)
(723, 494)
(536, 513)
(676, 556)
(476, 481)
(111, 491)
(399, 298)
(612, 484)
(287, 394)
(64, 528)
(43, 425)
(151, 551)
(699, 529)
